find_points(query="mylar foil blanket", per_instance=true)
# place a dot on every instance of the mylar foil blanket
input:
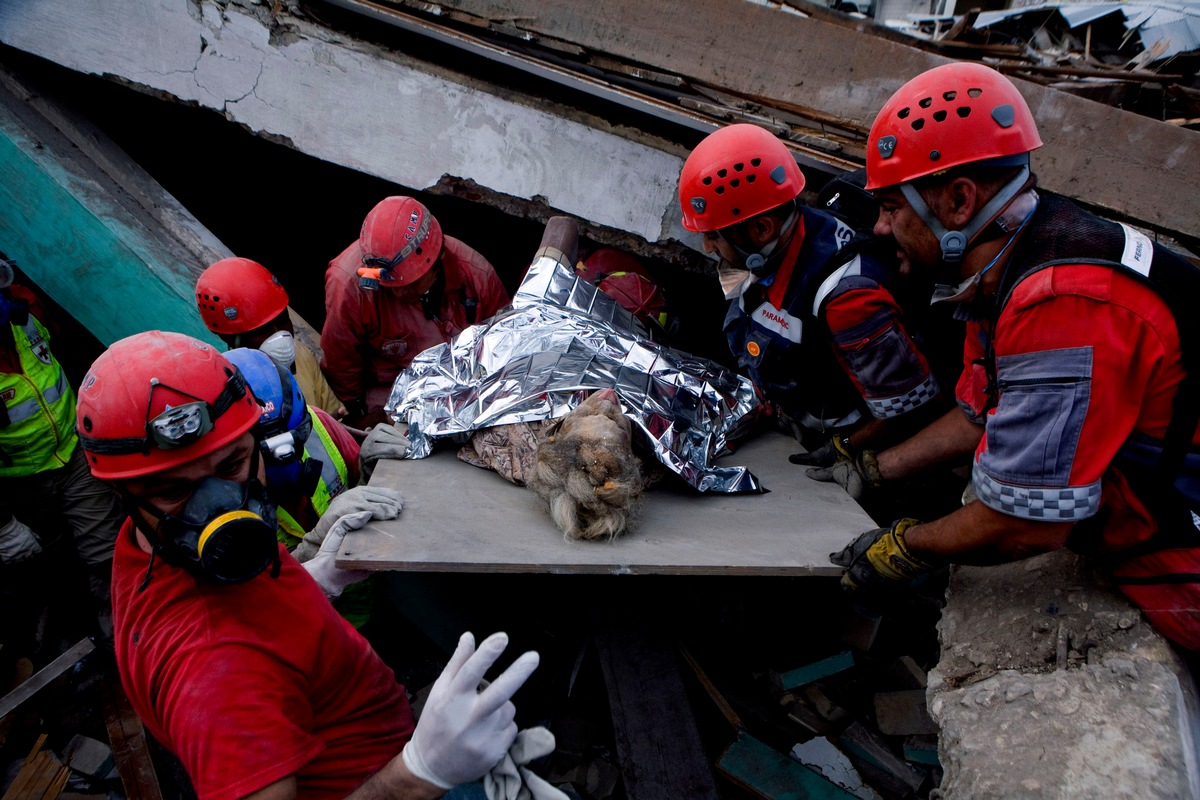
(561, 339)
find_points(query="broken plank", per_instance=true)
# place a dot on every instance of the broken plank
(769, 774)
(128, 740)
(658, 744)
(43, 677)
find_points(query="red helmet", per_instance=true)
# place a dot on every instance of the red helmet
(950, 115)
(400, 241)
(236, 295)
(623, 278)
(155, 400)
(736, 173)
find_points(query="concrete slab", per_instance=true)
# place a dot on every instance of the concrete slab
(459, 518)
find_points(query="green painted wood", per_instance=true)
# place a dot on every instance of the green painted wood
(794, 679)
(69, 233)
(770, 774)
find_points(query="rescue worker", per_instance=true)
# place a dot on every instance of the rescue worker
(823, 338)
(57, 523)
(225, 645)
(310, 460)
(246, 306)
(1078, 393)
(401, 288)
(626, 280)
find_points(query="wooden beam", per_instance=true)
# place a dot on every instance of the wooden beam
(658, 745)
(128, 740)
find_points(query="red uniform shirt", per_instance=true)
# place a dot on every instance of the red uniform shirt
(369, 336)
(250, 683)
(1086, 357)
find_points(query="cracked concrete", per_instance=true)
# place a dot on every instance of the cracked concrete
(358, 106)
(1052, 686)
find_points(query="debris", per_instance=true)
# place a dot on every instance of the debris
(88, 756)
(796, 678)
(903, 713)
(823, 757)
(43, 775)
(770, 774)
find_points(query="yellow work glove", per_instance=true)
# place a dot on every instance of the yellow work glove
(879, 557)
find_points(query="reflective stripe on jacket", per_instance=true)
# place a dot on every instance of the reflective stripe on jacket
(39, 433)
(334, 480)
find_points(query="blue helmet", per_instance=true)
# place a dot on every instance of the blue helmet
(284, 426)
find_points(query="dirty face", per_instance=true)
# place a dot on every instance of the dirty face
(917, 249)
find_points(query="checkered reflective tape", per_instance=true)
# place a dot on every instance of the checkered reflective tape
(914, 398)
(1071, 503)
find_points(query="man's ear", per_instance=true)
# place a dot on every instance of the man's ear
(962, 201)
(763, 229)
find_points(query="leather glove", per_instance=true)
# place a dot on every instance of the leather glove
(383, 441)
(835, 450)
(382, 503)
(511, 779)
(856, 475)
(463, 732)
(879, 557)
(323, 566)
(18, 542)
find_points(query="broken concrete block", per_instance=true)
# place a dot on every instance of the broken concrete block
(874, 758)
(771, 775)
(922, 749)
(822, 756)
(88, 756)
(860, 627)
(801, 676)
(903, 713)
(905, 673)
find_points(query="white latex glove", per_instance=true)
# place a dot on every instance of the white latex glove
(382, 503)
(383, 441)
(462, 731)
(17, 542)
(323, 566)
(512, 780)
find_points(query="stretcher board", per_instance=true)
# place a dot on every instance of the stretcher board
(461, 518)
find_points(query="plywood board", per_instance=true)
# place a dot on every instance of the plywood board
(460, 518)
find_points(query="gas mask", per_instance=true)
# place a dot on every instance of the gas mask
(225, 533)
(281, 347)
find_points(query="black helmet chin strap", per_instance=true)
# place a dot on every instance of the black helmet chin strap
(954, 243)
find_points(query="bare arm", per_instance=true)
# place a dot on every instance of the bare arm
(977, 534)
(393, 782)
(952, 437)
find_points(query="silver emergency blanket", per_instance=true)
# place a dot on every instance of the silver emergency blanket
(561, 339)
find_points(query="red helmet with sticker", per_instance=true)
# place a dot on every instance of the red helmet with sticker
(950, 115)
(155, 400)
(737, 172)
(400, 241)
(236, 295)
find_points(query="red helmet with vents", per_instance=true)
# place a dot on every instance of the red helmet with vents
(734, 174)
(950, 115)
